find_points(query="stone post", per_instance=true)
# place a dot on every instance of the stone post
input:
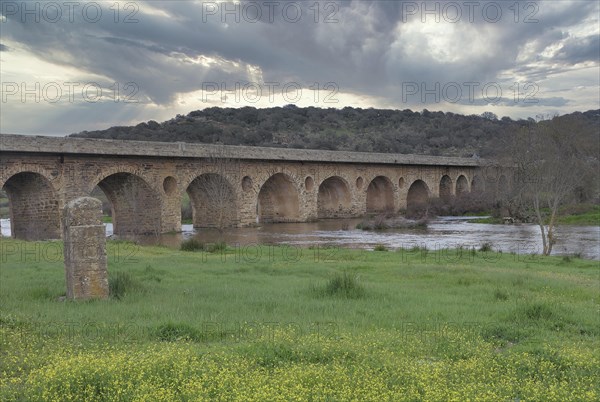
(85, 249)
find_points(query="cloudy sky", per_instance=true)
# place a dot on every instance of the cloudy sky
(84, 65)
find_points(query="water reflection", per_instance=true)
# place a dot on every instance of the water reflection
(443, 232)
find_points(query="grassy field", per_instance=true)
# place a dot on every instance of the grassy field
(280, 323)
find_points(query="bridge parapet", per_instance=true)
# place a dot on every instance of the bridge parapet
(92, 146)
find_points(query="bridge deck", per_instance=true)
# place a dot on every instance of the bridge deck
(90, 146)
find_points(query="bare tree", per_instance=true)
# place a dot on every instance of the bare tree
(549, 165)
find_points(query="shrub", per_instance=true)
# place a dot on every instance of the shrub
(500, 294)
(486, 247)
(121, 283)
(380, 247)
(380, 223)
(570, 257)
(384, 222)
(342, 285)
(191, 244)
(465, 281)
(537, 311)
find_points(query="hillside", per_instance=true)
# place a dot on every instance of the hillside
(350, 129)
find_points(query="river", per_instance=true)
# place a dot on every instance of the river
(441, 233)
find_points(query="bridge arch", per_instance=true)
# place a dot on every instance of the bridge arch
(502, 185)
(462, 185)
(380, 195)
(334, 199)
(417, 199)
(278, 200)
(135, 205)
(477, 184)
(113, 169)
(34, 207)
(445, 188)
(9, 170)
(213, 201)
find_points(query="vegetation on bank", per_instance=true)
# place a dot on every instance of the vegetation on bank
(578, 214)
(282, 323)
(487, 219)
(390, 221)
(584, 215)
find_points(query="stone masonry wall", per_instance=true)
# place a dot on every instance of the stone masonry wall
(148, 189)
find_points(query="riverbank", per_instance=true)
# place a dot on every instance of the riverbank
(586, 215)
(268, 322)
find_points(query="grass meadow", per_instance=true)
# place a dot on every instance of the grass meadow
(278, 323)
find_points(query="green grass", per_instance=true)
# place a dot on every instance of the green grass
(479, 213)
(590, 217)
(489, 219)
(193, 244)
(345, 285)
(579, 214)
(227, 323)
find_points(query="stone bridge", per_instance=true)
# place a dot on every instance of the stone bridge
(227, 185)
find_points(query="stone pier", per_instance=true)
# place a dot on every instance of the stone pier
(85, 249)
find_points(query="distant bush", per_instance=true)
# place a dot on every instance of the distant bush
(500, 294)
(486, 247)
(571, 257)
(464, 204)
(342, 285)
(385, 221)
(191, 244)
(380, 247)
(537, 311)
(121, 283)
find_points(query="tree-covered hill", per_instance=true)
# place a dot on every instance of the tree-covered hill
(351, 129)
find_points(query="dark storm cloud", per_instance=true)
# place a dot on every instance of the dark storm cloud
(3, 48)
(370, 50)
(580, 50)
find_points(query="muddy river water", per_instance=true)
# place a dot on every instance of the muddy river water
(441, 233)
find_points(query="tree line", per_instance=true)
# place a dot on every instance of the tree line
(347, 129)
